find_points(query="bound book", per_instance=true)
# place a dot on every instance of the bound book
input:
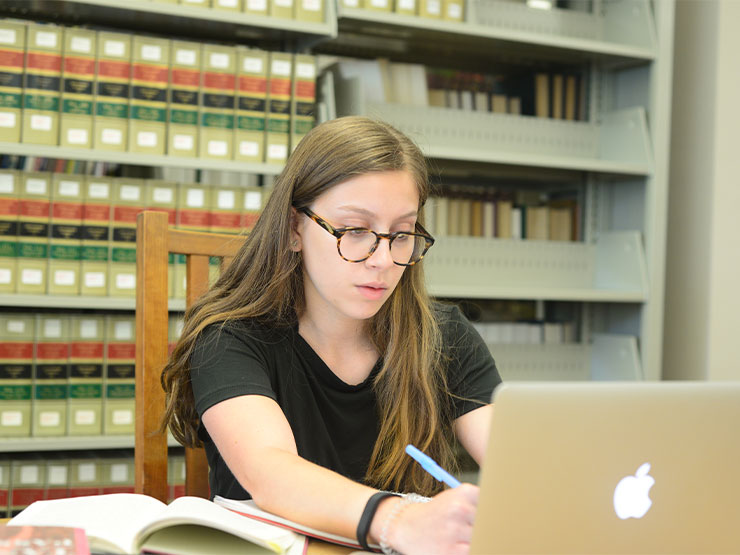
(133, 523)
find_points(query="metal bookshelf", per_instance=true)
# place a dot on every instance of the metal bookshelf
(80, 302)
(70, 443)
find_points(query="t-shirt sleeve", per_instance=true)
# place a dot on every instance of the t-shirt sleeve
(228, 362)
(472, 373)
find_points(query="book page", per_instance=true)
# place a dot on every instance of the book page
(110, 521)
(194, 510)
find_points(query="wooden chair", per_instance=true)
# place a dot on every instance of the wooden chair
(154, 242)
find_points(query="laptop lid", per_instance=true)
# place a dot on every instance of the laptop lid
(611, 468)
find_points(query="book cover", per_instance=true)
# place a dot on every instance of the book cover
(217, 106)
(65, 246)
(278, 107)
(112, 85)
(148, 95)
(33, 232)
(12, 53)
(78, 85)
(251, 105)
(303, 98)
(42, 85)
(127, 202)
(258, 7)
(226, 210)
(96, 220)
(27, 479)
(9, 212)
(281, 8)
(254, 201)
(119, 381)
(58, 540)
(184, 99)
(16, 371)
(51, 369)
(309, 10)
(85, 408)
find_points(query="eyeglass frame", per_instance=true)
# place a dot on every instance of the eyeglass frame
(339, 232)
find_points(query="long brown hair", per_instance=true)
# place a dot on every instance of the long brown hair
(265, 281)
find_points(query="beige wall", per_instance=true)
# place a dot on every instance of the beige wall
(702, 307)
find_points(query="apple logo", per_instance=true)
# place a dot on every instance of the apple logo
(631, 498)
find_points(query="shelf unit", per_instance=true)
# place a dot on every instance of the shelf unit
(622, 153)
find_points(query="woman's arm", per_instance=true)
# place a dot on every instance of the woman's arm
(256, 442)
(472, 430)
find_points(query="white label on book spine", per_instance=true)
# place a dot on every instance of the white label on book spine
(454, 11)
(36, 186)
(219, 60)
(16, 326)
(217, 148)
(284, 3)
(98, 190)
(252, 65)
(84, 417)
(64, 277)
(123, 331)
(277, 152)
(30, 276)
(185, 57)
(123, 417)
(228, 3)
(115, 48)
(196, 198)
(312, 5)
(434, 7)
(225, 200)
(379, 3)
(280, 67)
(119, 473)
(151, 52)
(130, 192)
(29, 473)
(69, 188)
(7, 183)
(408, 5)
(7, 119)
(56, 475)
(305, 71)
(257, 5)
(351, 3)
(94, 280)
(53, 328)
(11, 419)
(182, 142)
(77, 136)
(126, 281)
(146, 138)
(6, 277)
(249, 148)
(46, 39)
(252, 200)
(81, 44)
(50, 419)
(111, 136)
(7, 36)
(163, 194)
(86, 472)
(41, 123)
(88, 329)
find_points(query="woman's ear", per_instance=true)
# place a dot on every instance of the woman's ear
(295, 236)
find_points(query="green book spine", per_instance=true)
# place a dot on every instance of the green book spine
(78, 82)
(9, 211)
(112, 84)
(217, 108)
(128, 201)
(16, 371)
(278, 107)
(12, 49)
(250, 105)
(86, 375)
(42, 85)
(184, 99)
(149, 82)
(66, 234)
(50, 376)
(33, 232)
(119, 380)
(95, 236)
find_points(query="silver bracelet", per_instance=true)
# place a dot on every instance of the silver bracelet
(406, 499)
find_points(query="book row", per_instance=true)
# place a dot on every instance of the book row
(86, 89)
(303, 10)
(27, 478)
(558, 95)
(450, 10)
(505, 215)
(526, 333)
(68, 374)
(68, 234)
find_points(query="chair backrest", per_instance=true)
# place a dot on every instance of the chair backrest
(154, 241)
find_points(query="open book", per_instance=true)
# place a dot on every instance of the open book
(134, 523)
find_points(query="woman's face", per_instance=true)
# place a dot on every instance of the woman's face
(335, 288)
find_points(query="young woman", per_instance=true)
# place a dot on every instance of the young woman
(318, 355)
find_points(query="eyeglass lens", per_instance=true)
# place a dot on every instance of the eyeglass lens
(356, 245)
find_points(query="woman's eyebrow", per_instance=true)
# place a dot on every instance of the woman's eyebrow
(369, 213)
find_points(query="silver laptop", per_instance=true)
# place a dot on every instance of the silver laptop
(611, 468)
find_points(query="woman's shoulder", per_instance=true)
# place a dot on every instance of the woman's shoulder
(247, 330)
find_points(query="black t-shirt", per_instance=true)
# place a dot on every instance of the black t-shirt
(334, 424)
